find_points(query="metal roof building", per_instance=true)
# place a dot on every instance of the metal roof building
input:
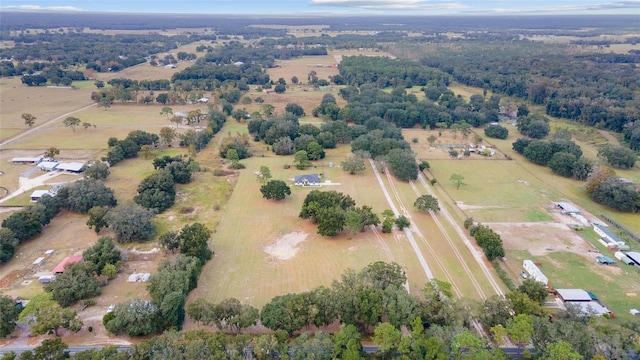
(571, 295)
(37, 194)
(68, 260)
(634, 256)
(568, 208)
(75, 167)
(591, 308)
(607, 234)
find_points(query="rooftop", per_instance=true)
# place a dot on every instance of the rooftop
(573, 295)
(68, 260)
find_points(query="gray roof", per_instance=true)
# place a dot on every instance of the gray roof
(311, 178)
(634, 256)
(568, 207)
(70, 166)
(573, 294)
(591, 308)
(609, 233)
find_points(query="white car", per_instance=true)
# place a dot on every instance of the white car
(524, 275)
(111, 308)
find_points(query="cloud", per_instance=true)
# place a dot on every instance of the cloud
(389, 4)
(40, 8)
(616, 7)
(630, 4)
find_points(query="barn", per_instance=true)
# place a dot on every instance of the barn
(59, 269)
(573, 295)
(37, 194)
(48, 165)
(634, 256)
(72, 167)
(534, 272)
(568, 208)
(27, 160)
(607, 235)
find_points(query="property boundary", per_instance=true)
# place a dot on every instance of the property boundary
(618, 226)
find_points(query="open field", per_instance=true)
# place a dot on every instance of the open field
(243, 268)
(44, 103)
(305, 96)
(445, 139)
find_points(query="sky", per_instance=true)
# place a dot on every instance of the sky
(346, 7)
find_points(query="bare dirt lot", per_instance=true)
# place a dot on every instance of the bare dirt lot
(540, 238)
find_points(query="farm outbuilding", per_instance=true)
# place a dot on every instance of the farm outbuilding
(307, 180)
(634, 256)
(534, 272)
(568, 208)
(605, 260)
(37, 194)
(573, 295)
(607, 235)
(48, 165)
(72, 167)
(59, 269)
(627, 261)
(27, 160)
(591, 308)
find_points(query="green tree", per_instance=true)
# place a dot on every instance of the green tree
(131, 222)
(427, 203)
(496, 131)
(71, 122)
(166, 110)
(315, 151)
(194, 241)
(402, 164)
(177, 273)
(465, 344)
(172, 311)
(353, 221)
(167, 135)
(281, 313)
(104, 252)
(561, 350)
(457, 180)
(96, 170)
(170, 240)
(75, 283)
(618, 156)
(295, 109)
(8, 244)
(49, 349)
(51, 319)
(23, 224)
(267, 109)
(85, 194)
(535, 290)
(201, 311)
(562, 163)
(301, 159)
(387, 337)
(348, 334)
(520, 330)
(275, 189)
(264, 175)
(134, 318)
(232, 155)
(8, 315)
(98, 218)
(51, 153)
(231, 314)
(29, 119)
(109, 271)
(402, 222)
(353, 164)
(157, 191)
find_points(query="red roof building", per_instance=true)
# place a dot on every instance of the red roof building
(59, 269)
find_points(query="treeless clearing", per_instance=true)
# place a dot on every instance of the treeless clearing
(42, 102)
(446, 139)
(305, 96)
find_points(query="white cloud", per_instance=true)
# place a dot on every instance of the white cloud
(389, 4)
(40, 8)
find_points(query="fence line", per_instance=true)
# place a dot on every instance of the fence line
(618, 226)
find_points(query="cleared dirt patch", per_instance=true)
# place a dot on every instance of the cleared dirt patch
(286, 247)
(540, 238)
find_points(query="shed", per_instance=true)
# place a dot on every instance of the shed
(534, 272)
(627, 261)
(39, 261)
(45, 279)
(203, 100)
(591, 308)
(634, 256)
(59, 269)
(49, 252)
(307, 180)
(607, 234)
(573, 295)
(619, 255)
(583, 220)
(634, 312)
(37, 194)
(605, 260)
(48, 165)
(623, 247)
(27, 160)
(568, 208)
(74, 167)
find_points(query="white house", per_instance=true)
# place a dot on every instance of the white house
(307, 180)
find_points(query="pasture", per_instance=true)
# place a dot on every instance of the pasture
(253, 233)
